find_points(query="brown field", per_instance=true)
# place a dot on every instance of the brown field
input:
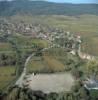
(53, 64)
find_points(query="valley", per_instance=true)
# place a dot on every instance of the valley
(48, 51)
(43, 55)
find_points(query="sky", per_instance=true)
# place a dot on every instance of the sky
(69, 1)
(75, 1)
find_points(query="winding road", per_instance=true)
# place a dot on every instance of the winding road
(19, 82)
(47, 83)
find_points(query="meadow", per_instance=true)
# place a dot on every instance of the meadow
(4, 46)
(51, 61)
(45, 64)
(28, 42)
(7, 74)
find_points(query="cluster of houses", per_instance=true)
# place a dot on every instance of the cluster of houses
(69, 40)
(66, 40)
(34, 30)
(91, 84)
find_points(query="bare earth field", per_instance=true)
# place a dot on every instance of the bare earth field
(47, 83)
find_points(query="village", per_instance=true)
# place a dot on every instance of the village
(57, 38)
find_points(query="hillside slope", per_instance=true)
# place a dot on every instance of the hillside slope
(45, 8)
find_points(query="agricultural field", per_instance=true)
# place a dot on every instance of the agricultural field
(45, 64)
(52, 60)
(36, 64)
(4, 46)
(27, 42)
(7, 74)
(54, 64)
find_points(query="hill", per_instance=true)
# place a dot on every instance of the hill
(45, 8)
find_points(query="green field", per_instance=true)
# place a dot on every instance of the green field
(25, 45)
(28, 42)
(7, 74)
(35, 65)
(4, 46)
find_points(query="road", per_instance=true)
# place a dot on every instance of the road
(19, 82)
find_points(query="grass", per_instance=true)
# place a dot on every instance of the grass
(54, 61)
(61, 56)
(45, 64)
(27, 41)
(94, 94)
(53, 64)
(36, 65)
(40, 42)
(7, 74)
(5, 46)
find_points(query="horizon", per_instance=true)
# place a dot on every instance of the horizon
(67, 1)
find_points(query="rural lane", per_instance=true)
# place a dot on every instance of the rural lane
(19, 82)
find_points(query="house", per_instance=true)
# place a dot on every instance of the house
(42, 36)
(86, 56)
(73, 52)
(91, 84)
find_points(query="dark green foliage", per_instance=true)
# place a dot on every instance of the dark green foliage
(94, 94)
(7, 59)
(17, 93)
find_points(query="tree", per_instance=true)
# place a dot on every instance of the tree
(92, 67)
(83, 93)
